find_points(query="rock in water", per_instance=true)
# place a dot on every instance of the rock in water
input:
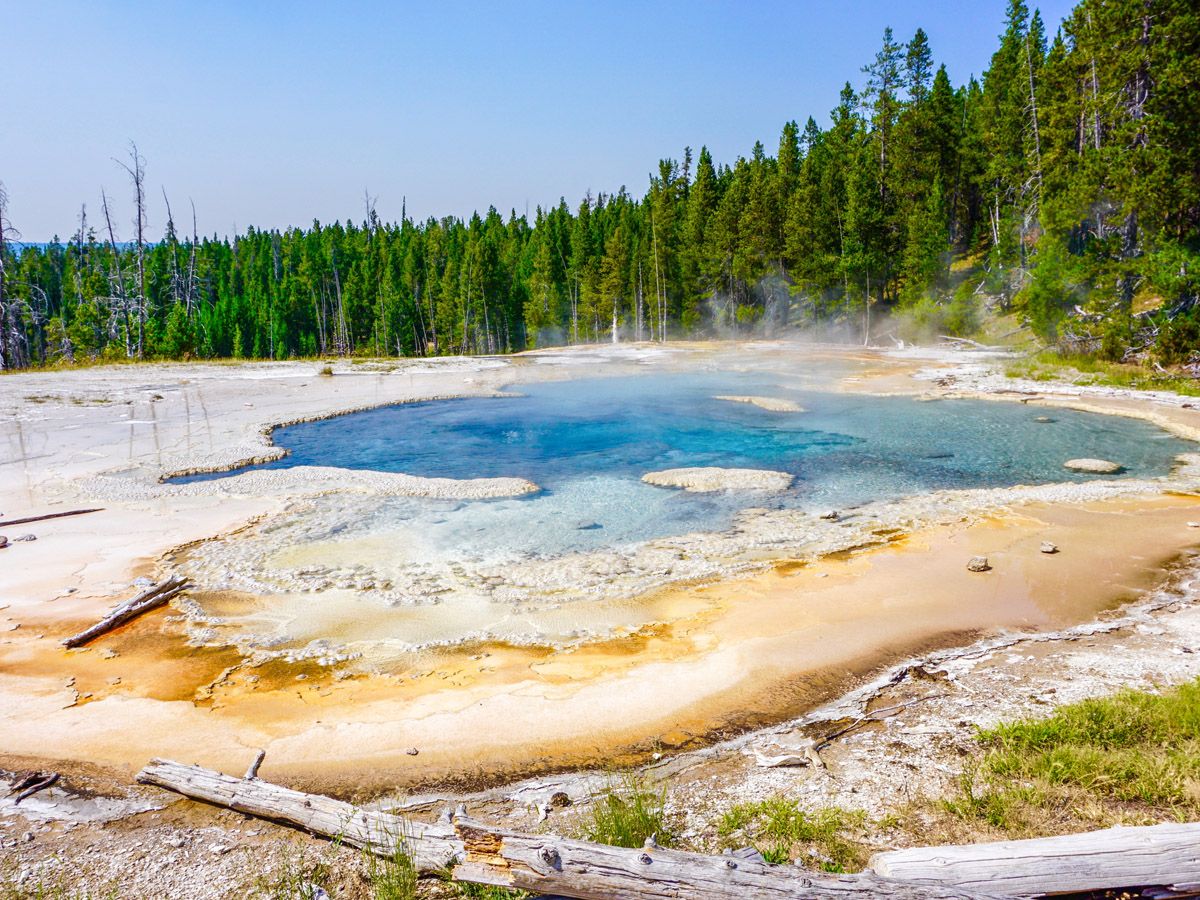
(774, 404)
(711, 478)
(1049, 547)
(1043, 420)
(978, 564)
(1093, 466)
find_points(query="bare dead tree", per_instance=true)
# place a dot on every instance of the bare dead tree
(191, 280)
(118, 295)
(173, 240)
(136, 169)
(14, 344)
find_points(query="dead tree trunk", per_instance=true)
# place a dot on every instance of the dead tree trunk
(147, 600)
(1096, 860)
(567, 868)
(432, 848)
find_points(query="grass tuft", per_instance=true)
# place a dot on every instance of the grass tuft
(627, 813)
(1082, 369)
(1131, 757)
(782, 832)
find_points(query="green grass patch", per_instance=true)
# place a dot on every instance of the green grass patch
(486, 891)
(1132, 757)
(1082, 369)
(627, 813)
(782, 832)
(392, 877)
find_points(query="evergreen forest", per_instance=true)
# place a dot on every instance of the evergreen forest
(1062, 187)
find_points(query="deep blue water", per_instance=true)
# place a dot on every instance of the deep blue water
(588, 442)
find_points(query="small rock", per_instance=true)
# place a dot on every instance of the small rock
(978, 564)
(108, 653)
(301, 677)
(1043, 420)
(1093, 466)
(559, 799)
(218, 849)
(1049, 547)
(588, 526)
(1193, 524)
(27, 837)
(177, 842)
(3, 541)
(26, 537)
(114, 681)
(830, 515)
(142, 582)
(311, 891)
(412, 751)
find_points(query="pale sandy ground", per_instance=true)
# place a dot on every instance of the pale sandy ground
(749, 651)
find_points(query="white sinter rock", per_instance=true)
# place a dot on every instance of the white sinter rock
(704, 479)
(1094, 466)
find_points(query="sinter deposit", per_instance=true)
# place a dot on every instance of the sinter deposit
(773, 404)
(1094, 466)
(704, 479)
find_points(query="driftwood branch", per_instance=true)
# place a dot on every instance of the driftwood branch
(31, 784)
(432, 848)
(57, 515)
(567, 868)
(147, 600)
(1117, 857)
(252, 772)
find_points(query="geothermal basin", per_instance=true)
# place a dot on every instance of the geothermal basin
(551, 561)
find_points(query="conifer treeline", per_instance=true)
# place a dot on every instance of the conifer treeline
(1067, 184)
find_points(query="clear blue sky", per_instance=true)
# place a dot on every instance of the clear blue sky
(275, 113)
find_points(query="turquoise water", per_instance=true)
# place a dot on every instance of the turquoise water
(587, 443)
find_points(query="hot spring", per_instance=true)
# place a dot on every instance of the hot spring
(564, 563)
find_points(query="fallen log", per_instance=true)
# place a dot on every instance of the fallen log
(149, 599)
(38, 784)
(432, 848)
(547, 864)
(562, 867)
(57, 515)
(1116, 857)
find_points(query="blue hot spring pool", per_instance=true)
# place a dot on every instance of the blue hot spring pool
(588, 442)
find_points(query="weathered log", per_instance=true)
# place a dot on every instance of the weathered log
(39, 784)
(548, 864)
(57, 515)
(147, 600)
(432, 848)
(1117, 857)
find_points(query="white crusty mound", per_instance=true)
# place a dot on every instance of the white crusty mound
(1095, 466)
(774, 404)
(321, 479)
(702, 479)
